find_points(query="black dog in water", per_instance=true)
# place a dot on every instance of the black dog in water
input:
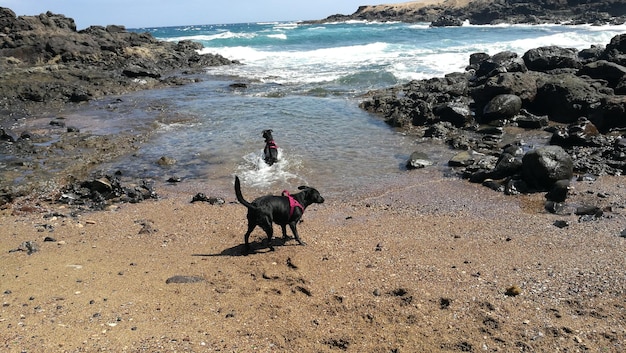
(270, 152)
(283, 210)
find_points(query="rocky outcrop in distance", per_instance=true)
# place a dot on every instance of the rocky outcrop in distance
(44, 59)
(483, 12)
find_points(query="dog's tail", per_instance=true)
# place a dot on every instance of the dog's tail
(240, 195)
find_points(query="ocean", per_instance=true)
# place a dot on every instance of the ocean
(304, 82)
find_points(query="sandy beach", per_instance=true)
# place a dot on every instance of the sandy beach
(422, 266)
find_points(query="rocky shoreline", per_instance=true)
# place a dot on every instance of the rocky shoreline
(483, 12)
(575, 97)
(45, 60)
(48, 67)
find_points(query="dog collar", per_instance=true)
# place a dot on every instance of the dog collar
(293, 203)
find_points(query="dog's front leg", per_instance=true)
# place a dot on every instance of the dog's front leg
(246, 239)
(295, 233)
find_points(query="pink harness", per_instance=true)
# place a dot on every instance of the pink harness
(293, 203)
(271, 144)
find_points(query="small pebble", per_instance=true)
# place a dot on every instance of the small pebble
(513, 291)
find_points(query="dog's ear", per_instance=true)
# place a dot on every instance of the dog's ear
(302, 187)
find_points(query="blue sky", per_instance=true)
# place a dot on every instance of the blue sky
(155, 13)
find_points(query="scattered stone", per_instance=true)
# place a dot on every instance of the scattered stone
(559, 191)
(28, 246)
(8, 135)
(184, 279)
(103, 190)
(513, 291)
(444, 303)
(587, 210)
(238, 85)
(57, 122)
(174, 179)
(418, 160)
(527, 120)
(211, 200)
(147, 227)
(559, 208)
(463, 159)
(399, 292)
(561, 224)
(166, 161)
(340, 343)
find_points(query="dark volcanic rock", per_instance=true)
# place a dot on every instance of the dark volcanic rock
(551, 58)
(44, 59)
(503, 106)
(579, 99)
(481, 12)
(45, 63)
(544, 166)
(446, 21)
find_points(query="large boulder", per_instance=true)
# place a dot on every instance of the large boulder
(458, 114)
(506, 61)
(566, 97)
(605, 70)
(610, 114)
(551, 58)
(544, 166)
(523, 85)
(503, 106)
(615, 51)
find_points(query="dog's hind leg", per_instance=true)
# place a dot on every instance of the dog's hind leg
(267, 227)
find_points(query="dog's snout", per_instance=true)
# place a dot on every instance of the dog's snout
(320, 199)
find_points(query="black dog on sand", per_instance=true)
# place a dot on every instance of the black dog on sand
(283, 210)
(270, 152)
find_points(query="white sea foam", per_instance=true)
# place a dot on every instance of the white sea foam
(327, 53)
(319, 65)
(254, 172)
(278, 36)
(215, 36)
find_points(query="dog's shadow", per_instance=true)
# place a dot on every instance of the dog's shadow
(256, 247)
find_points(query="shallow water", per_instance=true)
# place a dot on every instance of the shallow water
(302, 82)
(327, 142)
